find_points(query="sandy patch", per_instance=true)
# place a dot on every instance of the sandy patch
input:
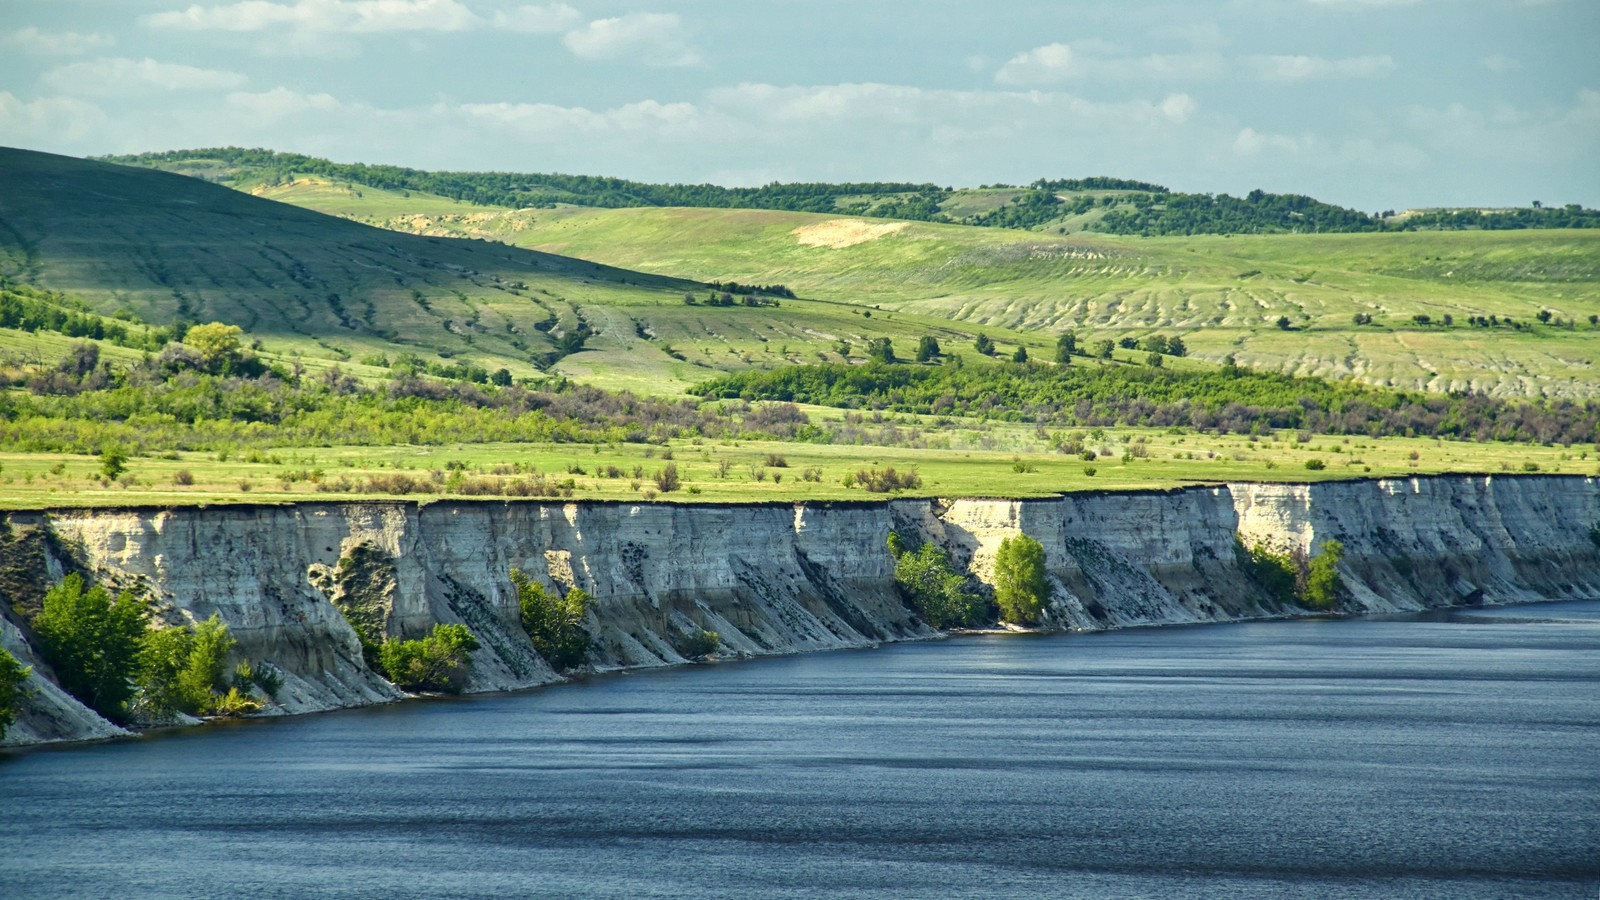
(841, 233)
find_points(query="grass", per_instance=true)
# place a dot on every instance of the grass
(322, 290)
(959, 458)
(1223, 294)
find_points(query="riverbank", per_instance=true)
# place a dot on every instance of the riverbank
(774, 578)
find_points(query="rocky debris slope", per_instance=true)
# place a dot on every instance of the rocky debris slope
(767, 578)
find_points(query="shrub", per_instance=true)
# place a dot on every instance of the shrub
(234, 704)
(113, 461)
(1277, 573)
(1324, 589)
(554, 624)
(1316, 465)
(934, 589)
(698, 645)
(91, 641)
(182, 669)
(1021, 584)
(183, 477)
(667, 479)
(438, 662)
(886, 480)
(12, 676)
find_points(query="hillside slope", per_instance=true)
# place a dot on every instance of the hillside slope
(1225, 295)
(161, 247)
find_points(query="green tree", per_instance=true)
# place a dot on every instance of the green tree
(202, 677)
(1176, 346)
(1155, 343)
(439, 662)
(984, 344)
(554, 624)
(937, 592)
(927, 349)
(1021, 356)
(1104, 348)
(1021, 584)
(1324, 588)
(12, 676)
(881, 350)
(113, 461)
(1066, 345)
(1153, 360)
(91, 641)
(217, 343)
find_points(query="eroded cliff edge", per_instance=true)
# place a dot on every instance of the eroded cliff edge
(770, 578)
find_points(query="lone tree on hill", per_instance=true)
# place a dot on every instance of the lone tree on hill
(984, 344)
(1066, 345)
(1020, 582)
(927, 349)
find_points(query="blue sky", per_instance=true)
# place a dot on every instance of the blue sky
(1375, 104)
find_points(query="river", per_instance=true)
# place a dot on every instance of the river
(1451, 754)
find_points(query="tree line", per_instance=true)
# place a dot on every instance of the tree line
(1231, 399)
(1145, 209)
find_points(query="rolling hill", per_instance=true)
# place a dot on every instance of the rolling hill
(157, 247)
(1224, 294)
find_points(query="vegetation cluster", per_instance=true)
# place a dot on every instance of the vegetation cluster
(931, 585)
(554, 622)
(1232, 399)
(104, 651)
(1292, 576)
(1129, 206)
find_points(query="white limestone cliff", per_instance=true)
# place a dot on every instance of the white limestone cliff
(784, 578)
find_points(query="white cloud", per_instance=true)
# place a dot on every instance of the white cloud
(49, 122)
(1364, 3)
(1041, 65)
(538, 19)
(536, 120)
(120, 76)
(1058, 63)
(1250, 142)
(652, 38)
(59, 43)
(1514, 135)
(1303, 68)
(321, 15)
(281, 103)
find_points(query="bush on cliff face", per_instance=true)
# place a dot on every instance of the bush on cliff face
(1277, 573)
(935, 590)
(697, 645)
(1323, 587)
(439, 662)
(553, 623)
(91, 641)
(12, 676)
(1021, 585)
(183, 669)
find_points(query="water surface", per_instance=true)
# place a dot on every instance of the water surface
(1450, 755)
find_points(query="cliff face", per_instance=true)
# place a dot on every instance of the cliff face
(773, 579)
(1440, 541)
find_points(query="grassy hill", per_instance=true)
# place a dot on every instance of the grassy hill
(1059, 206)
(156, 247)
(1224, 294)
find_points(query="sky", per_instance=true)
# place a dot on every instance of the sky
(1375, 104)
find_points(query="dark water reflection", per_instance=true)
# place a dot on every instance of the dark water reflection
(1454, 755)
